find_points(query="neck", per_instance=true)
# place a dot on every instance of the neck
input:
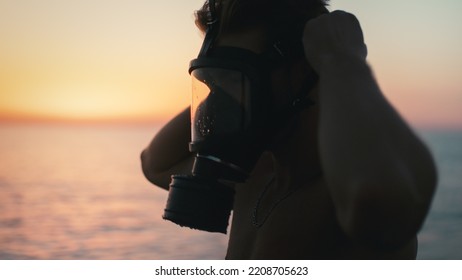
(296, 153)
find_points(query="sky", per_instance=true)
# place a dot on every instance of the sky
(127, 60)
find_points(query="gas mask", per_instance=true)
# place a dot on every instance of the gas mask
(231, 120)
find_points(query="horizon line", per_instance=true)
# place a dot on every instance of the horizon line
(12, 120)
(82, 121)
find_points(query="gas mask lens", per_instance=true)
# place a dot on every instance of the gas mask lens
(220, 103)
(221, 119)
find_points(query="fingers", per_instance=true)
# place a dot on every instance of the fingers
(331, 35)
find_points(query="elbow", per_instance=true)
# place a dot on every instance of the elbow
(156, 178)
(146, 167)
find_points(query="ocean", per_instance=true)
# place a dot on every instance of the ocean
(77, 192)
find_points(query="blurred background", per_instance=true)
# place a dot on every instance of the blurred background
(84, 86)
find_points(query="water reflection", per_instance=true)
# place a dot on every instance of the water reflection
(77, 193)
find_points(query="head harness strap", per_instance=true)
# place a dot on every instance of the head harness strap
(212, 29)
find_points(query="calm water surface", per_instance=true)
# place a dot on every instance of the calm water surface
(441, 236)
(77, 192)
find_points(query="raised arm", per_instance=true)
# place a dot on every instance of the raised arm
(380, 175)
(168, 152)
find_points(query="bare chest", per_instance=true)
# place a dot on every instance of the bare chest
(290, 223)
(293, 217)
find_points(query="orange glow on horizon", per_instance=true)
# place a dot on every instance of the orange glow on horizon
(128, 63)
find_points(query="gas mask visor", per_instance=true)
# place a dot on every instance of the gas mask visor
(228, 112)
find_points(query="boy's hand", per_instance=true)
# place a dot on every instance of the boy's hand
(333, 36)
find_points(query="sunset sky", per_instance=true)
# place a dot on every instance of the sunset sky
(126, 60)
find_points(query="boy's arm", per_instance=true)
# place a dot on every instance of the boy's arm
(168, 152)
(380, 175)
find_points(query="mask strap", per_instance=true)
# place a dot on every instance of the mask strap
(212, 29)
(213, 12)
(302, 101)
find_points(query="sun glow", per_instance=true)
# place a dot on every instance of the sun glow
(128, 62)
(89, 103)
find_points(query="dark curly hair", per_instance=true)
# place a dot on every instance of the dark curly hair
(236, 15)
